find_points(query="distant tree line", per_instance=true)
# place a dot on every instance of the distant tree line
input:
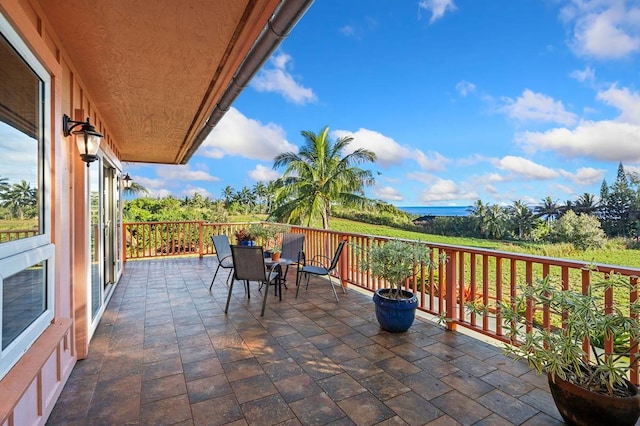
(585, 222)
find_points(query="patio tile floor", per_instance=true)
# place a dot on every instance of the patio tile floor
(166, 354)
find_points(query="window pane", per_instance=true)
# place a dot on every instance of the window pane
(96, 259)
(23, 301)
(20, 143)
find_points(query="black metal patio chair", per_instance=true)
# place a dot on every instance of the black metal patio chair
(248, 265)
(223, 253)
(323, 266)
(292, 253)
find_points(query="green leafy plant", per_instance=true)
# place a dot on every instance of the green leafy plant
(267, 234)
(396, 261)
(558, 350)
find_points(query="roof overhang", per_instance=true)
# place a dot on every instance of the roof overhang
(162, 73)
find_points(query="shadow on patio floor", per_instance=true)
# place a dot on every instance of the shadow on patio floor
(165, 353)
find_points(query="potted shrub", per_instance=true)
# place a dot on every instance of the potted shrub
(587, 390)
(266, 234)
(395, 261)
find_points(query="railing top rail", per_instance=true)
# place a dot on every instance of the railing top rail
(570, 263)
(190, 221)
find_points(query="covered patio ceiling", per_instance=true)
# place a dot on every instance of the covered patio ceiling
(163, 72)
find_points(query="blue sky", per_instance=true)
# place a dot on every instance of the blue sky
(498, 100)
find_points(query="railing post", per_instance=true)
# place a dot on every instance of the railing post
(201, 248)
(344, 262)
(124, 242)
(450, 286)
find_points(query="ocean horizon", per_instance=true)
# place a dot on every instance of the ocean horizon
(437, 210)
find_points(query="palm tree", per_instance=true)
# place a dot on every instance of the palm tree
(477, 214)
(4, 185)
(19, 197)
(318, 176)
(243, 200)
(549, 209)
(135, 189)
(586, 203)
(495, 222)
(227, 194)
(568, 205)
(272, 190)
(522, 218)
(260, 190)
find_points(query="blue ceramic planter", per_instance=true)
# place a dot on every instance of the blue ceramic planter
(395, 315)
(247, 243)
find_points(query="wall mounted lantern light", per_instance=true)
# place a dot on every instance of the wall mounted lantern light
(127, 181)
(87, 139)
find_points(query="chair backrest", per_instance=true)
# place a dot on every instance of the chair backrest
(336, 256)
(248, 262)
(292, 245)
(221, 245)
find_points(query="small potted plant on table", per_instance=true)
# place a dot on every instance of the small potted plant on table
(275, 253)
(589, 387)
(395, 261)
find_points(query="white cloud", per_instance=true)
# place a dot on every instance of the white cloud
(238, 135)
(489, 178)
(472, 159)
(263, 174)
(627, 102)
(491, 189)
(465, 88)
(183, 173)
(525, 168)
(531, 106)
(391, 153)
(602, 140)
(431, 161)
(585, 175)
(149, 183)
(388, 151)
(421, 177)
(605, 29)
(348, 30)
(446, 190)
(565, 189)
(437, 8)
(387, 193)
(277, 79)
(586, 75)
(190, 191)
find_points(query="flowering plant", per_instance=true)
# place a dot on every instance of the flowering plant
(244, 235)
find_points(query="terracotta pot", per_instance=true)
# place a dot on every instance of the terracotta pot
(275, 256)
(581, 407)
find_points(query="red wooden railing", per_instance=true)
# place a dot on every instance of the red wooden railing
(467, 274)
(6, 236)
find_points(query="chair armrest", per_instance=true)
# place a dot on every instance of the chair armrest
(326, 263)
(275, 268)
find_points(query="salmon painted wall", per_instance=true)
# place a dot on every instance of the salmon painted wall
(29, 391)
